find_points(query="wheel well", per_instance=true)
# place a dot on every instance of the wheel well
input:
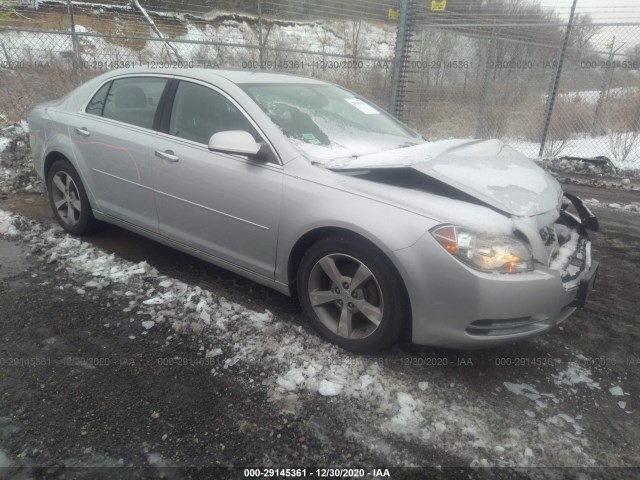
(303, 244)
(308, 239)
(50, 160)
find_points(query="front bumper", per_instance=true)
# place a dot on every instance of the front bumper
(587, 284)
(456, 306)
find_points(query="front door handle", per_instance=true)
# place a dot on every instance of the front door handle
(167, 155)
(82, 131)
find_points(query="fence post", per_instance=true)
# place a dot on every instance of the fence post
(554, 90)
(74, 44)
(260, 44)
(485, 83)
(401, 55)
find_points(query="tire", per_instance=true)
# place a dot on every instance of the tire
(352, 294)
(68, 199)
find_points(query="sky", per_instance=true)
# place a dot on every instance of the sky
(601, 10)
(606, 11)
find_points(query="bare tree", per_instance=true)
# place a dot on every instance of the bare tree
(356, 27)
(624, 145)
(582, 33)
(554, 147)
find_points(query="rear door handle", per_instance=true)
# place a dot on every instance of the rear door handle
(167, 155)
(82, 131)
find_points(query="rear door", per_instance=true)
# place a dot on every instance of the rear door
(112, 140)
(225, 205)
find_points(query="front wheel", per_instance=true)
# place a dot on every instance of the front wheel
(352, 295)
(68, 199)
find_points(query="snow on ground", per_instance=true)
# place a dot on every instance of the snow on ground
(9, 133)
(5, 461)
(576, 374)
(6, 225)
(16, 169)
(628, 207)
(4, 143)
(585, 147)
(616, 391)
(298, 367)
(326, 38)
(591, 97)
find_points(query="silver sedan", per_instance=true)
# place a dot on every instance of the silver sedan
(309, 189)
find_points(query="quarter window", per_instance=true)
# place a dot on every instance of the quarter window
(134, 100)
(96, 105)
(198, 112)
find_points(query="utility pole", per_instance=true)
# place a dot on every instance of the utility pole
(260, 46)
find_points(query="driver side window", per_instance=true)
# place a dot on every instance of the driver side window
(198, 112)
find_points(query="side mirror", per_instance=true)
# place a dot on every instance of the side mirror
(234, 141)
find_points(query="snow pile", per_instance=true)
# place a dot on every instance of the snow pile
(17, 174)
(6, 225)
(4, 144)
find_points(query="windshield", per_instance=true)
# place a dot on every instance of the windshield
(327, 122)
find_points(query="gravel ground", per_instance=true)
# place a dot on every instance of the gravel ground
(88, 382)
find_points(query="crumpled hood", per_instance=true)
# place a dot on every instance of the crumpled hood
(488, 170)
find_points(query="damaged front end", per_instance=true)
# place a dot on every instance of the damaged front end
(546, 273)
(569, 247)
(521, 245)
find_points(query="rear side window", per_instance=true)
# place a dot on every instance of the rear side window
(96, 105)
(134, 100)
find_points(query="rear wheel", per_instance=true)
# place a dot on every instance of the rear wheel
(352, 294)
(68, 199)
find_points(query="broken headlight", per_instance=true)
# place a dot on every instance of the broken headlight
(484, 251)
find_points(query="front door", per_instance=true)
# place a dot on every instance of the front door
(224, 205)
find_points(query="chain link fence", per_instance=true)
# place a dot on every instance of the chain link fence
(495, 79)
(597, 108)
(446, 75)
(44, 52)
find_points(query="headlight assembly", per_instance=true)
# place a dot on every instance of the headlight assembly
(484, 251)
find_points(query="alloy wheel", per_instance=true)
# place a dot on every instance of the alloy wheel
(66, 198)
(345, 296)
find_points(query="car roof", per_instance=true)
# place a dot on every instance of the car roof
(234, 76)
